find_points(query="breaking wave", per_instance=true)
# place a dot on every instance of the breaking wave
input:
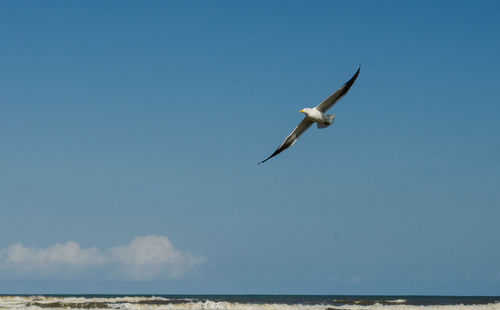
(247, 303)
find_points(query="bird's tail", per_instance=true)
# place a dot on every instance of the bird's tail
(329, 119)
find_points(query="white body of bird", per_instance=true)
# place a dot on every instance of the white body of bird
(321, 119)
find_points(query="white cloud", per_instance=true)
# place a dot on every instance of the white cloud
(144, 258)
(59, 258)
(148, 257)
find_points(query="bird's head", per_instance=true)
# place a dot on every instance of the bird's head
(305, 110)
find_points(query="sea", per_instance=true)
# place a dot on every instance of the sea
(246, 302)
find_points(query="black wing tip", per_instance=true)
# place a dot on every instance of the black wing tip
(261, 162)
(355, 76)
(272, 155)
(351, 81)
(357, 73)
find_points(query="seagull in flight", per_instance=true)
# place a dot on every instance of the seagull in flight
(315, 115)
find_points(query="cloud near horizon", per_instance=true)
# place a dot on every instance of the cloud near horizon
(144, 258)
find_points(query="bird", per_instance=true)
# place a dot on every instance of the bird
(315, 115)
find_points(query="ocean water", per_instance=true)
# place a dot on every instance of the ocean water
(245, 302)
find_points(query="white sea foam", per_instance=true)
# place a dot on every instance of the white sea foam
(159, 303)
(396, 301)
(495, 306)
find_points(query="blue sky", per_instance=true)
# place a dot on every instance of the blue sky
(133, 127)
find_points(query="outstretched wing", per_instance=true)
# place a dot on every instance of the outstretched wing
(292, 138)
(330, 101)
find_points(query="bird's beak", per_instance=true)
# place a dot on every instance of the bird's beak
(301, 111)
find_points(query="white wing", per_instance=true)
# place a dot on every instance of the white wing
(330, 101)
(292, 138)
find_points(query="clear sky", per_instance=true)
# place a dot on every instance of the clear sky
(130, 133)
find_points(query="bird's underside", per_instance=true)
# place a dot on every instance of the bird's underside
(315, 115)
